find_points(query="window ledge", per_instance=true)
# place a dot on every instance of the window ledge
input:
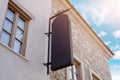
(19, 55)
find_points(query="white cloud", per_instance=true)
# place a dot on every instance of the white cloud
(101, 11)
(117, 55)
(116, 76)
(107, 43)
(92, 13)
(116, 34)
(115, 69)
(102, 34)
(116, 47)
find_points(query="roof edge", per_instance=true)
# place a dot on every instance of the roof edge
(109, 53)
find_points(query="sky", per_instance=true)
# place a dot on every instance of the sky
(104, 18)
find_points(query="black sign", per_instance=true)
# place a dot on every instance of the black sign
(61, 45)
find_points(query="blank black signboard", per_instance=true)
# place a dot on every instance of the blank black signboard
(61, 44)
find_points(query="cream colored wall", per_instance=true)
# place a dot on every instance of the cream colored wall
(30, 67)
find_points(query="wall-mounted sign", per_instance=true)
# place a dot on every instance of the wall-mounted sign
(61, 45)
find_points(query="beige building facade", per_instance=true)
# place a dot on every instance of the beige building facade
(90, 53)
(24, 45)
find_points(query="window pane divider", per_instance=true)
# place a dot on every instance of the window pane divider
(20, 28)
(14, 30)
(18, 40)
(6, 31)
(9, 20)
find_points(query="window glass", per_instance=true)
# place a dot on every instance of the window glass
(70, 71)
(8, 26)
(17, 46)
(74, 68)
(75, 77)
(10, 15)
(21, 23)
(5, 38)
(19, 34)
(75, 72)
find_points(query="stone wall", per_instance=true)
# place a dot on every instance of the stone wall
(58, 75)
(89, 53)
(85, 47)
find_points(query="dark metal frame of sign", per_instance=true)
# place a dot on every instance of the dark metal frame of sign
(49, 39)
(61, 43)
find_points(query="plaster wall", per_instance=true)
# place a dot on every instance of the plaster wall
(28, 67)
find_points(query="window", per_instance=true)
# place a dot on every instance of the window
(19, 34)
(74, 72)
(94, 77)
(15, 28)
(7, 27)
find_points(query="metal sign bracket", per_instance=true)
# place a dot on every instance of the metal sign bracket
(49, 39)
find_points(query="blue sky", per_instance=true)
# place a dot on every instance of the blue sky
(104, 18)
